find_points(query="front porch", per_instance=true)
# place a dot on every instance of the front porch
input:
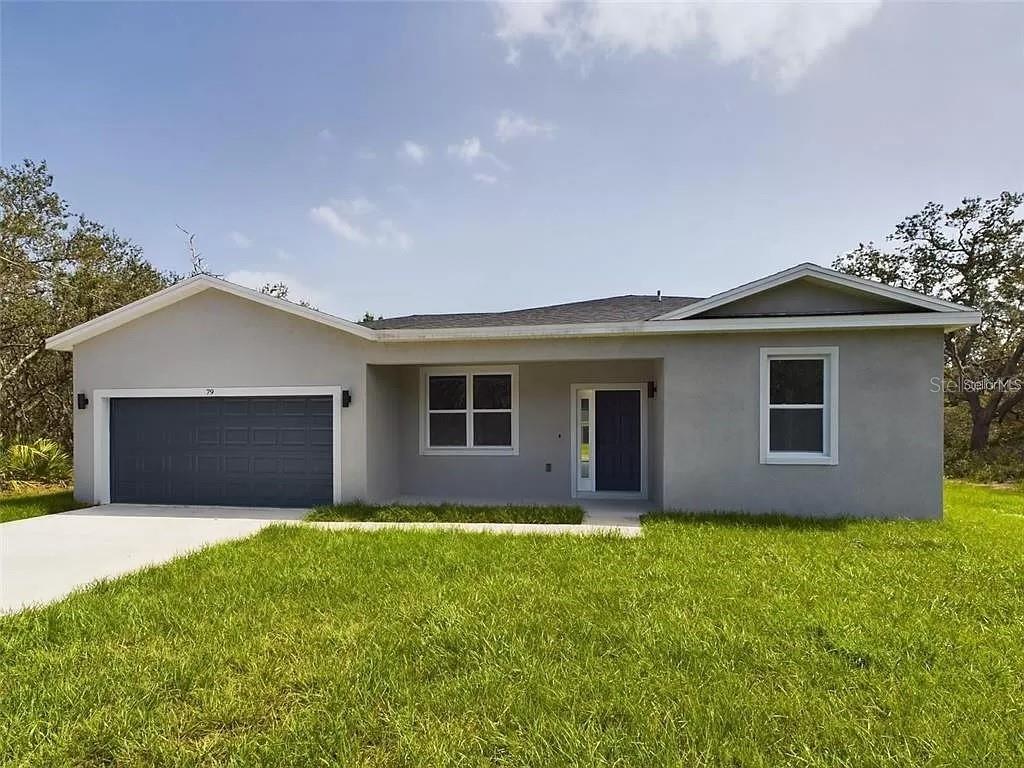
(551, 432)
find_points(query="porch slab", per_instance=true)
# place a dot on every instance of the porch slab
(616, 512)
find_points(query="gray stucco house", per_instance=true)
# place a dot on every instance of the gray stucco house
(807, 392)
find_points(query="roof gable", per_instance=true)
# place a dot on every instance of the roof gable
(849, 295)
(809, 296)
(172, 294)
(617, 316)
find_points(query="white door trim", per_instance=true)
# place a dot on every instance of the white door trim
(574, 391)
(101, 423)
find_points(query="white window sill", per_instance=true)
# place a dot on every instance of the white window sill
(813, 459)
(469, 452)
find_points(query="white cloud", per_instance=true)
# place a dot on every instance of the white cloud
(239, 240)
(297, 290)
(325, 135)
(780, 41)
(470, 150)
(353, 221)
(283, 255)
(366, 154)
(413, 152)
(355, 206)
(390, 236)
(340, 226)
(485, 178)
(512, 126)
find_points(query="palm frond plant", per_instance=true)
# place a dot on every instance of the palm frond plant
(39, 462)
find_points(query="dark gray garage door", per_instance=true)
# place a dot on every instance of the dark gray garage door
(244, 451)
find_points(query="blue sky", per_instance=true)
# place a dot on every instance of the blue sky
(415, 158)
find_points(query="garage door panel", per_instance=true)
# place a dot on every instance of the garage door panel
(321, 407)
(293, 436)
(240, 465)
(207, 407)
(322, 437)
(257, 451)
(293, 406)
(202, 464)
(264, 436)
(293, 466)
(202, 436)
(236, 436)
(235, 406)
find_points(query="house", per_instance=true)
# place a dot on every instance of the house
(808, 392)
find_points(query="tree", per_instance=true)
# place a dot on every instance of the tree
(368, 317)
(281, 290)
(56, 270)
(198, 264)
(973, 255)
(277, 290)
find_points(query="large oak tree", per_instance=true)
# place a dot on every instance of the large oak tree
(57, 269)
(973, 255)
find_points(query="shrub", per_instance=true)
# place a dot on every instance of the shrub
(1002, 461)
(40, 462)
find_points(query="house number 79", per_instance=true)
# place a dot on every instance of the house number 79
(209, 390)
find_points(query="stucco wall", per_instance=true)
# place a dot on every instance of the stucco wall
(383, 432)
(704, 444)
(216, 340)
(890, 428)
(890, 420)
(544, 437)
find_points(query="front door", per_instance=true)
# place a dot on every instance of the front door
(608, 440)
(617, 440)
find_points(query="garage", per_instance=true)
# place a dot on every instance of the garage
(237, 451)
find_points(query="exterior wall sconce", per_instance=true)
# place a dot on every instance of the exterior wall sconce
(83, 401)
(346, 398)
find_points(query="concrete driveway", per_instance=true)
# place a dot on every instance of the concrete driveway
(44, 558)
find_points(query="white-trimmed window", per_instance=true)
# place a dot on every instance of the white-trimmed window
(800, 405)
(470, 410)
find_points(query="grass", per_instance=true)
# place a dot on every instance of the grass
(32, 502)
(447, 513)
(703, 643)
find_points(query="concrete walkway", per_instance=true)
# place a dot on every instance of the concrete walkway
(44, 558)
(618, 512)
(547, 529)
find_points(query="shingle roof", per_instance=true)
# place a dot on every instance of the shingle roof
(610, 310)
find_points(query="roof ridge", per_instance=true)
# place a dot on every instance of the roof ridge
(546, 306)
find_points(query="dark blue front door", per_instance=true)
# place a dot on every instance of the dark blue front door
(617, 440)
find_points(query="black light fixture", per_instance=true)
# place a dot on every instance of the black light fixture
(652, 389)
(83, 401)
(346, 398)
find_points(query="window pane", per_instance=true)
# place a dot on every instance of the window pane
(797, 382)
(447, 393)
(447, 429)
(492, 429)
(796, 429)
(492, 391)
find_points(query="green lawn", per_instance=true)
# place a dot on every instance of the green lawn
(448, 513)
(17, 505)
(702, 643)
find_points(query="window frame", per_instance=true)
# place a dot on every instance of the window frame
(469, 449)
(829, 456)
